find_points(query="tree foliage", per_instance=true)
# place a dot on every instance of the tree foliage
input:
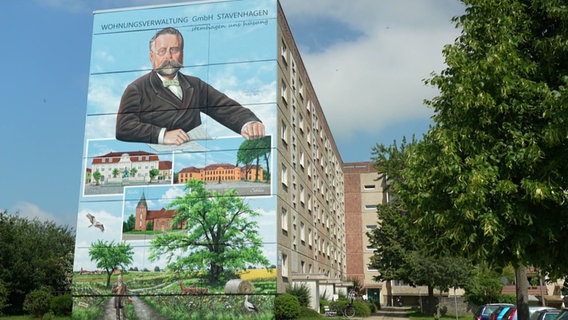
(392, 240)
(110, 256)
(490, 178)
(38, 301)
(129, 224)
(220, 233)
(400, 251)
(34, 253)
(253, 151)
(485, 286)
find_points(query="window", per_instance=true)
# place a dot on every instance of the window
(284, 176)
(284, 92)
(284, 133)
(284, 220)
(302, 233)
(369, 207)
(284, 53)
(284, 265)
(369, 187)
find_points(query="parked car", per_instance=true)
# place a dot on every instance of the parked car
(563, 315)
(498, 313)
(512, 314)
(485, 310)
(546, 314)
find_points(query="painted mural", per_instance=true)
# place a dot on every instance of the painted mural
(177, 213)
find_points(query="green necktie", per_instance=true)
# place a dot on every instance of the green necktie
(169, 83)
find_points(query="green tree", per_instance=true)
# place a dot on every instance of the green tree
(115, 172)
(221, 233)
(4, 296)
(154, 173)
(110, 256)
(485, 286)
(34, 253)
(97, 176)
(129, 224)
(489, 180)
(441, 272)
(400, 253)
(391, 240)
(38, 301)
(252, 151)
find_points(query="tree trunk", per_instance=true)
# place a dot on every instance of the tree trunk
(522, 288)
(389, 293)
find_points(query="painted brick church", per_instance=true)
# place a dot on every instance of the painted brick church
(159, 220)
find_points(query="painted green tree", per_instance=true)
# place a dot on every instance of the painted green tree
(489, 180)
(110, 256)
(129, 224)
(251, 152)
(154, 173)
(220, 233)
(97, 176)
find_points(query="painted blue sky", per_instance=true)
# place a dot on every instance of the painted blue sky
(366, 59)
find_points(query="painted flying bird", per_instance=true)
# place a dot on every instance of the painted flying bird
(249, 306)
(95, 223)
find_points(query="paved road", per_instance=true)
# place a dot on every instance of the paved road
(142, 310)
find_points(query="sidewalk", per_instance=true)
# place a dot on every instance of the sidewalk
(389, 313)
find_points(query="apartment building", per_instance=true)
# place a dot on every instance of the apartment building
(310, 202)
(364, 189)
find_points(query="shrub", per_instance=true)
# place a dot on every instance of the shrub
(508, 298)
(4, 295)
(62, 305)
(286, 306)
(37, 302)
(310, 313)
(302, 292)
(362, 308)
(372, 306)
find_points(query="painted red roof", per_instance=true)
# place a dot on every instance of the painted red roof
(165, 165)
(135, 156)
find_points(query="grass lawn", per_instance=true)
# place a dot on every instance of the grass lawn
(416, 315)
(28, 317)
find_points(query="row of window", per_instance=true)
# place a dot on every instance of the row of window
(311, 178)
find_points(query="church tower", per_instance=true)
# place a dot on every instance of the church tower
(141, 214)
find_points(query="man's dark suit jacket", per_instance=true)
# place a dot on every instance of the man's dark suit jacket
(147, 106)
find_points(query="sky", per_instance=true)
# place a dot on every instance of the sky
(366, 59)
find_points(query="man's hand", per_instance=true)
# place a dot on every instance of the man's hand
(253, 130)
(177, 137)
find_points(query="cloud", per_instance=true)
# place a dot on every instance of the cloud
(31, 211)
(370, 81)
